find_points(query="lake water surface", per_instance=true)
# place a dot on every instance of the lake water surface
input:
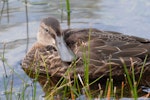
(130, 17)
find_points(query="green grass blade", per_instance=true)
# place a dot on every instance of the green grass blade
(68, 11)
(142, 70)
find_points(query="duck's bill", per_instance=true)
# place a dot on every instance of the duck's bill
(66, 54)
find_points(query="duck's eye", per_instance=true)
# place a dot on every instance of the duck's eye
(46, 30)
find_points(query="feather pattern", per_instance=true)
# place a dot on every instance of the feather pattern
(101, 49)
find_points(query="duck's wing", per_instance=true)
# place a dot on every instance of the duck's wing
(102, 50)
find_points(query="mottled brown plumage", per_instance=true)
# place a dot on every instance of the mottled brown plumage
(97, 49)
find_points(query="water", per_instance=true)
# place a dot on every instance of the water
(125, 16)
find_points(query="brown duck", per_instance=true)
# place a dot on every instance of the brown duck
(57, 51)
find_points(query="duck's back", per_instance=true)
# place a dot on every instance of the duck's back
(105, 49)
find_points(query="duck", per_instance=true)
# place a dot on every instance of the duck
(59, 51)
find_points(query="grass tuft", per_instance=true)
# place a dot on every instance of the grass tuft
(131, 80)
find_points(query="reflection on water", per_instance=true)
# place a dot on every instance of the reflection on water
(125, 16)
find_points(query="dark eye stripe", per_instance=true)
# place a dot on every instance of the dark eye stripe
(46, 30)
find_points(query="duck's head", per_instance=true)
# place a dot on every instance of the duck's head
(50, 34)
